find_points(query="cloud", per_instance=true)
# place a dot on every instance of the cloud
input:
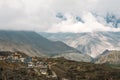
(40, 15)
(90, 25)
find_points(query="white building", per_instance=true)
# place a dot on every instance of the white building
(22, 59)
(30, 65)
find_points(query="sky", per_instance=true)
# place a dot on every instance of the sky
(58, 15)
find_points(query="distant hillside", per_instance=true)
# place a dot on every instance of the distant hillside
(76, 57)
(8, 53)
(32, 44)
(111, 57)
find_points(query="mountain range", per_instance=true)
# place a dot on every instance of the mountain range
(93, 44)
(109, 19)
(86, 47)
(112, 19)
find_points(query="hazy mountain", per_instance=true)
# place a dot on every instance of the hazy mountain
(112, 20)
(112, 57)
(32, 44)
(94, 43)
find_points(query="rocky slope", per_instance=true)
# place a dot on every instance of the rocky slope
(111, 57)
(93, 44)
(76, 57)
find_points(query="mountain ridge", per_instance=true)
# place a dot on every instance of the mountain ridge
(31, 43)
(111, 57)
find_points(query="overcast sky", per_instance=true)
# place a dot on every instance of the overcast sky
(40, 15)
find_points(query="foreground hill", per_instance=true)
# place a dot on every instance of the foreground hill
(110, 57)
(63, 70)
(32, 44)
(94, 43)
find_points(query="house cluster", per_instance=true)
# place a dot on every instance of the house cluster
(39, 66)
(31, 62)
(3, 58)
(13, 58)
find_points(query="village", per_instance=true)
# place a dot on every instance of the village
(40, 67)
(17, 66)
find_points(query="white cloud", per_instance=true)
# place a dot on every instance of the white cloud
(40, 15)
(90, 25)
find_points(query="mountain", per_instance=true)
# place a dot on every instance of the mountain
(112, 20)
(76, 57)
(111, 57)
(32, 44)
(93, 44)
